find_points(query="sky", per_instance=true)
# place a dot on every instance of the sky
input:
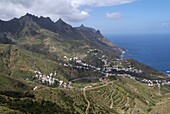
(109, 16)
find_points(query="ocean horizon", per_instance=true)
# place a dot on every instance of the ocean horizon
(152, 50)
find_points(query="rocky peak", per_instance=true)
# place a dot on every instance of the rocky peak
(27, 18)
(28, 14)
(47, 19)
(98, 33)
(61, 25)
(10, 26)
(82, 26)
(60, 22)
(84, 29)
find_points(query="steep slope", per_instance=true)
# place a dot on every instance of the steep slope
(7, 30)
(62, 44)
(96, 39)
(119, 96)
(31, 32)
(52, 67)
(17, 62)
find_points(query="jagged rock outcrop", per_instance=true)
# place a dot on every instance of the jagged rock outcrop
(30, 30)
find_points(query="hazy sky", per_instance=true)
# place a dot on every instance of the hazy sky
(110, 16)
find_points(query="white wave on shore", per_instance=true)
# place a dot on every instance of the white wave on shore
(168, 72)
(122, 55)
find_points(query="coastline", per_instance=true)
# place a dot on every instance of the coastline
(168, 73)
(164, 72)
(122, 55)
(147, 53)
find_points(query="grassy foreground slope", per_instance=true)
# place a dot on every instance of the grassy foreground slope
(18, 62)
(119, 96)
(51, 67)
(122, 95)
(162, 107)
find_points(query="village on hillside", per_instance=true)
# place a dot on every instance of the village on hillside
(121, 68)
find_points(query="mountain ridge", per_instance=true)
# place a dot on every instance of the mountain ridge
(59, 28)
(52, 67)
(85, 43)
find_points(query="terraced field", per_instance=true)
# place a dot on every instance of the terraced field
(79, 57)
(118, 99)
(114, 97)
(163, 106)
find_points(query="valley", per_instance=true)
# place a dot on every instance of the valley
(52, 67)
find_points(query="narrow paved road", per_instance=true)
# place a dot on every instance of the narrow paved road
(92, 88)
(111, 99)
(88, 102)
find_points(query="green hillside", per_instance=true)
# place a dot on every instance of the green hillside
(121, 95)
(21, 63)
(51, 67)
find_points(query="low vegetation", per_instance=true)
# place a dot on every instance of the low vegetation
(48, 68)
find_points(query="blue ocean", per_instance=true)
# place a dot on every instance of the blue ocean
(153, 50)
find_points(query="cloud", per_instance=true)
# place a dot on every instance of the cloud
(99, 3)
(165, 24)
(69, 10)
(114, 15)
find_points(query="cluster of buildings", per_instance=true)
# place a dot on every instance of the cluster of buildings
(164, 82)
(49, 79)
(93, 50)
(117, 68)
(106, 69)
(109, 70)
(120, 68)
(158, 82)
(81, 64)
(70, 59)
(148, 82)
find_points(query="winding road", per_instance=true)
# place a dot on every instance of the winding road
(111, 99)
(88, 102)
(91, 88)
